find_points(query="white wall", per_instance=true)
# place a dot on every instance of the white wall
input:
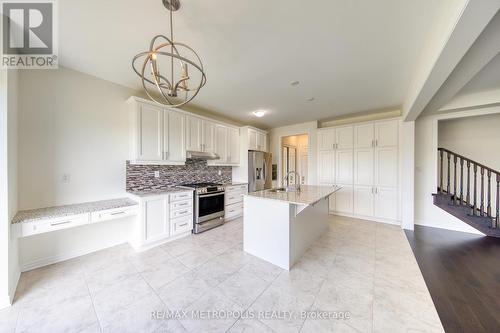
(477, 138)
(75, 124)
(9, 268)
(426, 137)
(275, 136)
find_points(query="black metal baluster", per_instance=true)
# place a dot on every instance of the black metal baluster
(488, 209)
(441, 171)
(481, 209)
(498, 201)
(468, 183)
(461, 181)
(454, 197)
(448, 174)
(474, 207)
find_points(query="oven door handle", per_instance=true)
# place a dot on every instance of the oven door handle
(210, 195)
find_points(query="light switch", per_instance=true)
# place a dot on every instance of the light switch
(157, 174)
(66, 178)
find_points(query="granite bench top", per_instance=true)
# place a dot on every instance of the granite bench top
(308, 195)
(74, 209)
(147, 193)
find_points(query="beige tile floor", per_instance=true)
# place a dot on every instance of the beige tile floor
(361, 267)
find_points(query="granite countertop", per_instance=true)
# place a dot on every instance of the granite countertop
(308, 195)
(235, 184)
(148, 193)
(66, 210)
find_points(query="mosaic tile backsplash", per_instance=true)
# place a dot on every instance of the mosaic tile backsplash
(142, 178)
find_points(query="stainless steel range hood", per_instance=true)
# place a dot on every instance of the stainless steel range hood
(201, 155)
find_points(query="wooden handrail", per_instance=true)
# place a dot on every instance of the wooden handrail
(471, 161)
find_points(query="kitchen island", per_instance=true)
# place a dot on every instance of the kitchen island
(280, 226)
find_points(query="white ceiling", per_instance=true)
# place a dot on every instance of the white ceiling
(487, 79)
(349, 55)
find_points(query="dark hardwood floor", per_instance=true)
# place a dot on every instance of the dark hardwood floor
(462, 273)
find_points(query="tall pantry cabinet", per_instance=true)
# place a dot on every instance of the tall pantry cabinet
(363, 159)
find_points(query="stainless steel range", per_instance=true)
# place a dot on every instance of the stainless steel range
(208, 205)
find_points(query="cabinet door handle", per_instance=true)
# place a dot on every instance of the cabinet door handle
(118, 213)
(59, 223)
(183, 225)
(376, 143)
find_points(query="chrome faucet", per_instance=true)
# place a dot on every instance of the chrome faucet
(297, 179)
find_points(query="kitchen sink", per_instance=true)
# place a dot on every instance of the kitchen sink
(283, 189)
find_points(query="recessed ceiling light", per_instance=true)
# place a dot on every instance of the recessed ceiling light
(294, 83)
(259, 113)
(310, 99)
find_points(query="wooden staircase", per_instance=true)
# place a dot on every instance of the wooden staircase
(469, 191)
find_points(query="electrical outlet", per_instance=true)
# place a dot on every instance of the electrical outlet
(157, 174)
(66, 178)
(220, 172)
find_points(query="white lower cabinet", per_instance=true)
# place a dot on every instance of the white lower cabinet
(385, 203)
(344, 200)
(181, 225)
(164, 217)
(363, 200)
(156, 218)
(234, 201)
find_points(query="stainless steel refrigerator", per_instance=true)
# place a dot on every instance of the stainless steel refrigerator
(259, 171)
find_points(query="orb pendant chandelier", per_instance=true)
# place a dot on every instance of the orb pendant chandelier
(181, 76)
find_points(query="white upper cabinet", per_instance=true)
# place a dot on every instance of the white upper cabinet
(326, 139)
(344, 137)
(149, 133)
(252, 139)
(386, 133)
(363, 167)
(157, 135)
(344, 166)
(233, 143)
(162, 135)
(261, 141)
(326, 161)
(208, 136)
(193, 133)
(174, 137)
(363, 135)
(257, 140)
(221, 143)
(227, 145)
(386, 167)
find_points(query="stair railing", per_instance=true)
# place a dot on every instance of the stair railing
(479, 203)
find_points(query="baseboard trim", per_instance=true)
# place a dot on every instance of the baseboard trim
(13, 287)
(472, 231)
(146, 246)
(367, 218)
(65, 256)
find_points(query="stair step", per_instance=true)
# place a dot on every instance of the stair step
(462, 212)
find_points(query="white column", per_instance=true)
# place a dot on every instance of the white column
(407, 165)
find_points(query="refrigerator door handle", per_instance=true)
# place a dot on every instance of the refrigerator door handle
(264, 172)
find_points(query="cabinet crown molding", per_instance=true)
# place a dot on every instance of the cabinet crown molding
(135, 99)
